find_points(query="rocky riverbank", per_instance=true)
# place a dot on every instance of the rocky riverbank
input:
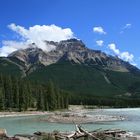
(24, 113)
(79, 118)
(75, 114)
(79, 115)
(78, 134)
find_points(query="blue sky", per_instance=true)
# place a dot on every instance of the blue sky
(108, 25)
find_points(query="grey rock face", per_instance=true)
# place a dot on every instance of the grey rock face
(72, 50)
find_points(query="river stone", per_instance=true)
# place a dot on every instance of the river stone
(3, 132)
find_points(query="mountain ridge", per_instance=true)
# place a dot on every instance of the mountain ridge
(75, 68)
(69, 50)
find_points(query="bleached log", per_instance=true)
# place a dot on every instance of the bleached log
(71, 135)
(89, 134)
(78, 130)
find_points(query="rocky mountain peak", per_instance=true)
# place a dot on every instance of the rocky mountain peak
(71, 45)
(72, 50)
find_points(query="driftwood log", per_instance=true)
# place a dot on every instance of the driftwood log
(82, 134)
(78, 134)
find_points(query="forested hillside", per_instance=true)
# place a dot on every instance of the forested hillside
(69, 74)
(20, 95)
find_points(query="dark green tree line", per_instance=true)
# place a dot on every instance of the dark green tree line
(20, 95)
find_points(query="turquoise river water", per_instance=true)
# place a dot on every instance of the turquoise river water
(30, 124)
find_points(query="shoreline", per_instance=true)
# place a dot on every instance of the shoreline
(75, 114)
(73, 109)
(98, 117)
(80, 118)
(22, 114)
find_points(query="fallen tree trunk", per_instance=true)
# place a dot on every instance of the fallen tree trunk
(78, 134)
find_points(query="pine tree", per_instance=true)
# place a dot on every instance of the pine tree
(1, 100)
(66, 101)
(51, 96)
(62, 101)
(58, 98)
(21, 97)
(30, 97)
(8, 94)
(15, 89)
(45, 100)
(40, 100)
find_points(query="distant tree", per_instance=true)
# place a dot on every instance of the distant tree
(40, 100)
(58, 98)
(8, 93)
(15, 89)
(52, 102)
(1, 100)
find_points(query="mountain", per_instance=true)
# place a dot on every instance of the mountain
(72, 50)
(75, 68)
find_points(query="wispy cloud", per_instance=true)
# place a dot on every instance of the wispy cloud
(35, 34)
(99, 43)
(99, 30)
(127, 26)
(123, 55)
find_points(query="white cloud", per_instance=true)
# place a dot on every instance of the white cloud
(127, 56)
(99, 30)
(10, 46)
(123, 55)
(99, 43)
(112, 47)
(127, 26)
(134, 64)
(36, 34)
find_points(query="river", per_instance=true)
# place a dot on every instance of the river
(30, 124)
